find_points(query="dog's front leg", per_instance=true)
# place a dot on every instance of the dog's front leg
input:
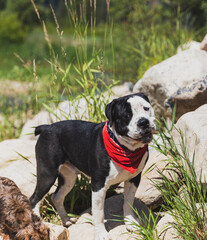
(98, 198)
(130, 188)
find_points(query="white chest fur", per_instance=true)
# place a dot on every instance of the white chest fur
(118, 174)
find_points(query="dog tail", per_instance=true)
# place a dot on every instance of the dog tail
(40, 129)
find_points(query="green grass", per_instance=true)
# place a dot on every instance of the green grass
(182, 194)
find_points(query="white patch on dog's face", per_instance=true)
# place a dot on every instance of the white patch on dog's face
(142, 122)
(131, 120)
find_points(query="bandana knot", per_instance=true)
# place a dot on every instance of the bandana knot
(126, 159)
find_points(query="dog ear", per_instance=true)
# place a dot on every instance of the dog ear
(109, 111)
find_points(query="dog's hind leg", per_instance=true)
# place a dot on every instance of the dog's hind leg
(44, 183)
(66, 181)
(49, 156)
(46, 176)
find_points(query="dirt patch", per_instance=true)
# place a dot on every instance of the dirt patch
(9, 87)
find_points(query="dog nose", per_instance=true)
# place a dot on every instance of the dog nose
(143, 123)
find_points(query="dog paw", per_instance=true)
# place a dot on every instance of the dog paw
(131, 223)
(130, 227)
(67, 222)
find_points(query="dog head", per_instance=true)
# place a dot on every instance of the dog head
(132, 120)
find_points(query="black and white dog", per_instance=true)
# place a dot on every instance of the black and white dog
(108, 153)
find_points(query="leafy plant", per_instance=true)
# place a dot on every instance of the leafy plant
(48, 212)
(86, 76)
(146, 229)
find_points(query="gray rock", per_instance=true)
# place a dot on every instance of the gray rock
(194, 128)
(65, 110)
(114, 221)
(163, 80)
(58, 232)
(187, 99)
(165, 229)
(193, 45)
(147, 192)
(17, 162)
(42, 117)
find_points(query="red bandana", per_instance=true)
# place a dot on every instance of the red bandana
(126, 159)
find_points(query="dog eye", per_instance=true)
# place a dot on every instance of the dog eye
(146, 108)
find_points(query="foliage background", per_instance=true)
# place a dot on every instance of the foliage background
(132, 20)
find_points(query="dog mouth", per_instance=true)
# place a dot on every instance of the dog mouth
(144, 137)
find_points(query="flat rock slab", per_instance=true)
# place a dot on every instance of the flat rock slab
(114, 221)
(17, 162)
(147, 192)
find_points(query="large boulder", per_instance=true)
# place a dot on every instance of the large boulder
(147, 192)
(163, 80)
(122, 90)
(42, 117)
(165, 228)
(193, 126)
(66, 110)
(17, 162)
(188, 98)
(13, 149)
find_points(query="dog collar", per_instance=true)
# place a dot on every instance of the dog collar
(126, 159)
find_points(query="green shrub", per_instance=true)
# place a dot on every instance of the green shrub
(25, 11)
(11, 28)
